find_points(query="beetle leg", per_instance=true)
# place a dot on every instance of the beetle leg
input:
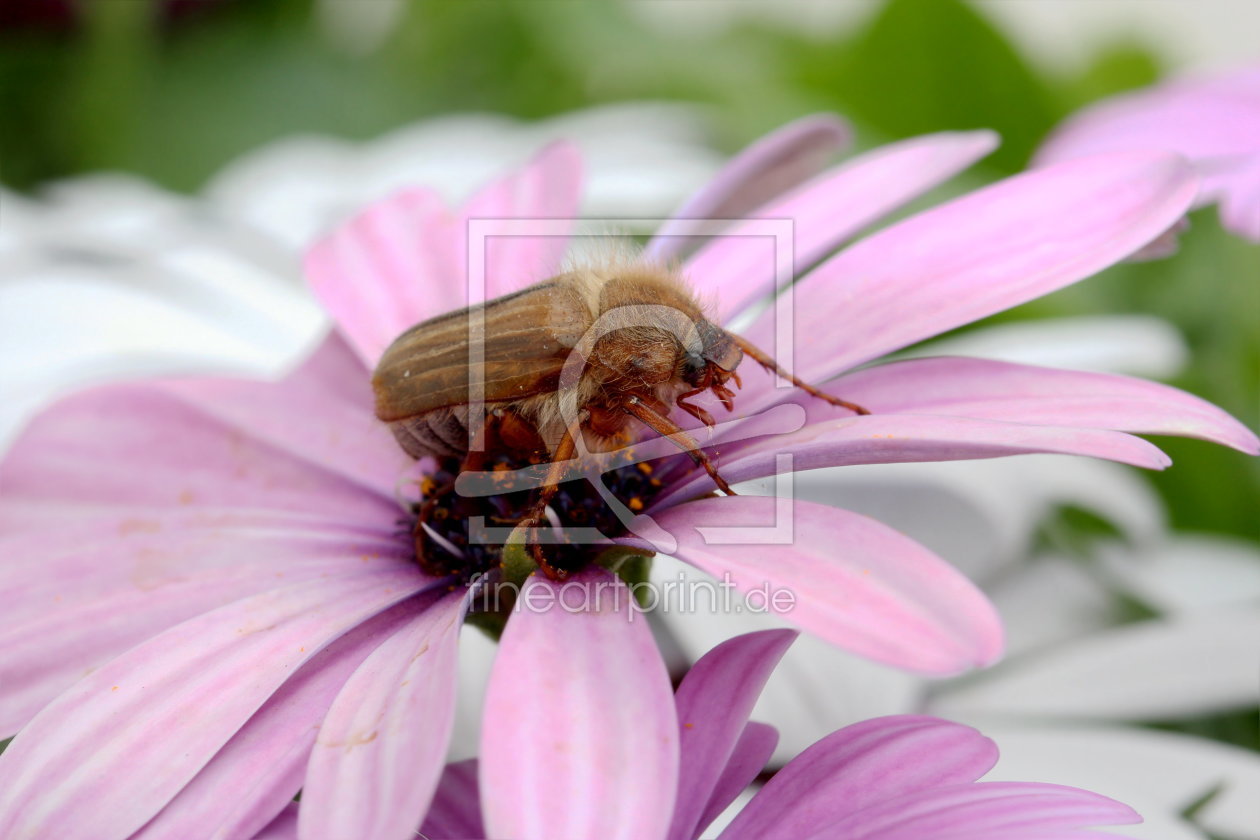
(694, 410)
(537, 516)
(766, 361)
(662, 425)
(725, 395)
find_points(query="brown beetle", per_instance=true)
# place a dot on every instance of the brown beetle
(612, 344)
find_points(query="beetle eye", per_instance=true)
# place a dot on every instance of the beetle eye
(693, 366)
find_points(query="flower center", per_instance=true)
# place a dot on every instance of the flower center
(464, 535)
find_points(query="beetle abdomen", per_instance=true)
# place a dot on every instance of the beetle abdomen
(440, 433)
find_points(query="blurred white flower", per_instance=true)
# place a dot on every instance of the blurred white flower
(108, 276)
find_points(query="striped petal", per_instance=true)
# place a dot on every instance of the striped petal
(381, 748)
(256, 774)
(404, 259)
(455, 813)
(172, 445)
(75, 600)
(900, 438)
(848, 579)
(991, 390)
(858, 767)
(714, 701)
(740, 266)
(749, 758)
(992, 249)
(580, 738)
(768, 168)
(548, 188)
(985, 811)
(103, 758)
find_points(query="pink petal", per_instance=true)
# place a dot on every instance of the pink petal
(381, 748)
(404, 259)
(1014, 241)
(1018, 393)
(985, 811)
(853, 581)
(104, 757)
(283, 827)
(769, 167)
(714, 701)
(393, 265)
(751, 754)
(300, 419)
(255, 775)
(550, 187)
(1202, 120)
(860, 766)
(76, 599)
(152, 445)
(580, 737)
(456, 810)
(900, 438)
(739, 267)
(1240, 206)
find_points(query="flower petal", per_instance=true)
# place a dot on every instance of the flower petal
(390, 267)
(404, 259)
(985, 811)
(67, 320)
(455, 813)
(1000, 246)
(714, 701)
(76, 599)
(1080, 606)
(1152, 670)
(104, 757)
(381, 748)
(1014, 393)
(851, 580)
(899, 438)
(1187, 573)
(753, 750)
(801, 695)
(739, 267)
(344, 438)
(283, 827)
(1205, 119)
(769, 167)
(255, 775)
(1240, 206)
(549, 187)
(140, 445)
(860, 766)
(579, 703)
(1162, 774)
(1213, 122)
(980, 515)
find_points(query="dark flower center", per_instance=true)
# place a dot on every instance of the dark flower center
(451, 530)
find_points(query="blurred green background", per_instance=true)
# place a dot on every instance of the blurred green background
(174, 90)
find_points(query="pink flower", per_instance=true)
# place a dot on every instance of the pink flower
(591, 743)
(1214, 122)
(211, 602)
